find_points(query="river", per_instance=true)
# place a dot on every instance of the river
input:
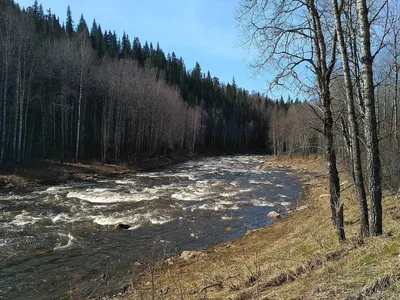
(60, 237)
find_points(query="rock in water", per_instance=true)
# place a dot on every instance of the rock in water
(42, 250)
(9, 186)
(121, 227)
(274, 215)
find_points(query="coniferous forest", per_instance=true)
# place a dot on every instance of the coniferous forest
(78, 92)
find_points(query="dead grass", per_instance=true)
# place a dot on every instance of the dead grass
(297, 257)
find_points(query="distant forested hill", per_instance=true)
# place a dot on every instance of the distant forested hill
(71, 93)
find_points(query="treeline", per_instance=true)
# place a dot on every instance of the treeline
(71, 93)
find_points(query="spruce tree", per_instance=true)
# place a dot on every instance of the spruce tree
(93, 33)
(69, 27)
(82, 26)
(125, 46)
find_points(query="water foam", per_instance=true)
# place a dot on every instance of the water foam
(186, 196)
(70, 242)
(62, 217)
(135, 222)
(262, 203)
(227, 195)
(107, 196)
(24, 219)
(259, 182)
(114, 220)
(125, 182)
(14, 197)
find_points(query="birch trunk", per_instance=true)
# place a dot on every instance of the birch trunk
(21, 112)
(78, 129)
(4, 113)
(355, 152)
(370, 127)
(17, 104)
(396, 88)
(323, 73)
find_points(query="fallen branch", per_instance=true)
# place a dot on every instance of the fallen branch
(307, 267)
(379, 284)
(210, 286)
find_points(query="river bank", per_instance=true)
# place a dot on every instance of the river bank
(295, 257)
(25, 177)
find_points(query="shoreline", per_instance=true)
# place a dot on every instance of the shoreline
(25, 177)
(295, 257)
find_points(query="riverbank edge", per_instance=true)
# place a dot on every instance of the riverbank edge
(25, 177)
(295, 257)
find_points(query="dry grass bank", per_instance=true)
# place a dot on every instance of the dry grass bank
(297, 257)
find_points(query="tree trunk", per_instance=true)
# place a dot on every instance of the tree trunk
(21, 111)
(63, 107)
(4, 115)
(396, 88)
(24, 154)
(334, 186)
(323, 74)
(355, 152)
(17, 103)
(78, 129)
(371, 135)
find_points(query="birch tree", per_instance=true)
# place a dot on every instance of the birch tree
(294, 35)
(355, 151)
(370, 124)
(85, 56)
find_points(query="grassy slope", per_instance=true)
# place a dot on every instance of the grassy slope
(297, 257)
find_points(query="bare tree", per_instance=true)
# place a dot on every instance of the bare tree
(396, 54)
(370, 124)
(292, 34)
(354, 142)
(85, 56)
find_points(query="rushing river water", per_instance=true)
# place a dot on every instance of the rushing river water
(61, 237)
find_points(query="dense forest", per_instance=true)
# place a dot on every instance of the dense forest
(73, 93)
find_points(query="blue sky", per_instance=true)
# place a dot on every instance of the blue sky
(198, 30)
